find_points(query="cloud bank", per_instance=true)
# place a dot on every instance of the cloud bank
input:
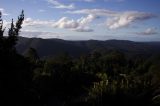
(79, 25)
(116, 19)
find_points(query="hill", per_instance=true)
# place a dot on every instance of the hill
(52, 47)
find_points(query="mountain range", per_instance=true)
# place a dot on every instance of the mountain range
(52, 47)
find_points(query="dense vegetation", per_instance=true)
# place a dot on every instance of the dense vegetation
(94, 79)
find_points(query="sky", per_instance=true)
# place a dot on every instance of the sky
(136, 20)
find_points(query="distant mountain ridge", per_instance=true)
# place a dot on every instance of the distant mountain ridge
(52, 47)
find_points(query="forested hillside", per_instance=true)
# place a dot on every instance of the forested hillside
(52, 47)
(94, 78)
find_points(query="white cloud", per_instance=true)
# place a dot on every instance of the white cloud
(57, 4)
(3, 11)
(120, 0)
(31, 22)
(116, 19)
(6, 23)
(83, 29)
(114, 0)
(64, 22)
(100, 0)
(89, 0)
(126, 18)
(83, 0)
(149, 31)
(85, 20)
(80, 25)
(41, 10)
(98, 12)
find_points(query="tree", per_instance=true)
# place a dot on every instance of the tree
(14, 31)
(1, 32)
(15, 74)
(1, 26)
(7, 43)
(32, 55)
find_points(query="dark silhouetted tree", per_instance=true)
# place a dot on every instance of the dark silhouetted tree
(32, 55)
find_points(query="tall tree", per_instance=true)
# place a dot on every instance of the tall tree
(7, 43)
(1, 32)
(14, 31)
(1, 26)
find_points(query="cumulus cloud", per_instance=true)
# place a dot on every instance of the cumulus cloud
(116, 19)
(126, 18)
(3, 12)
(149, 31)
(64, 22)
(57, 4)
(80, 25)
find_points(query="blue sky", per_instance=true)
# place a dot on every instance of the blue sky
(136, 20)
